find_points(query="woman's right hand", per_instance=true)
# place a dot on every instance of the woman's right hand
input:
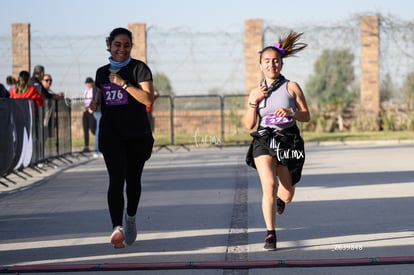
(257, 94)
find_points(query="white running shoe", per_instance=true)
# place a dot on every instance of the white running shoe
(117, 237)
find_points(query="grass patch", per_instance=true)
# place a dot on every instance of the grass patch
(244, 138)
(358, 136)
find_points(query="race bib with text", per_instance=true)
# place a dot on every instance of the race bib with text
(114, 95)
(274, 120)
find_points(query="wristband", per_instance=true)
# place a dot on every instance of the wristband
(253, 105)
(126, 83)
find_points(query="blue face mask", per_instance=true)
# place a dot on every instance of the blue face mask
(118, 65)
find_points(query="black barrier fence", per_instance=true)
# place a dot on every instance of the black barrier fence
(32, 136)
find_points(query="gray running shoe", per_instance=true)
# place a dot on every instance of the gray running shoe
(130, 230)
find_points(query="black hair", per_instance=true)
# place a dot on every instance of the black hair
(116, 32)
(10, 80)
(38, 70)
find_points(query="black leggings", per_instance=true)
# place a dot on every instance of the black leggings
(125, 160)
(88, 124)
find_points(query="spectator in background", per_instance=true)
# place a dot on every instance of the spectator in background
(4, 93)
(88, 121)
(150, 109)
(10, 82)
(23, 90)
(47, 83)
(36, 80)
(48, 121)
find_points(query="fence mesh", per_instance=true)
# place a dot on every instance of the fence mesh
(213, 63)
(210, 64)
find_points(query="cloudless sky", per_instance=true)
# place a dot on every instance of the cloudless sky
(101, 16)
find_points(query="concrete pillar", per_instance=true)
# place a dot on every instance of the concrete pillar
(139, 35)
(370, 84)
(253, 42)
(20, 48)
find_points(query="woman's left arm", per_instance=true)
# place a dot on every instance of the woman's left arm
(302, 112)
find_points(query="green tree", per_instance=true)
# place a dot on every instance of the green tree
(386, 89)
(408, 90)
(162, 84)
(332, 80)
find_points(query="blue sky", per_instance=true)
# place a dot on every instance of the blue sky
(100, 16)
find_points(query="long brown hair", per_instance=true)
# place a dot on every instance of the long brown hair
(21, 84)
(287, 46)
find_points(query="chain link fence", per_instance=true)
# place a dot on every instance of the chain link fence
(200, 63)
(206, 70)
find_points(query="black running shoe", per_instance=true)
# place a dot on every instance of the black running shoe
(280, 206)
(270, 243)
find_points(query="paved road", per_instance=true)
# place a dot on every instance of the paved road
(200, 213)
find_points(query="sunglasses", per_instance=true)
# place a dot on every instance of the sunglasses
(48, 80)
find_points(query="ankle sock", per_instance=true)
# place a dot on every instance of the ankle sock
(271, 232)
